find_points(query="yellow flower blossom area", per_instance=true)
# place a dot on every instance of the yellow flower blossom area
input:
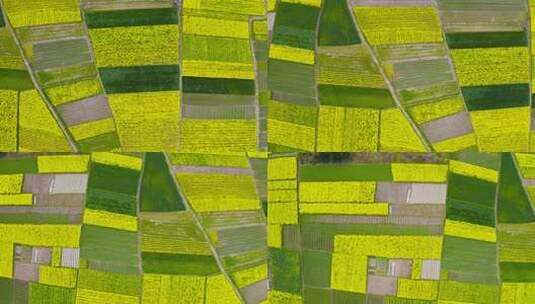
(397, 134)
(88, 296)
(64, 277)
(256, 154)
(110, 220)
(345, 208)
(250, 7)
(502, 129)
(389, 246)
(282, 195)
(291, 135)
(38, 131)
(271, 4)
(205, 135)
(407, 172)
(11, 183)
(283, 213)
(361, 192)
(135, 45)
(218, 69)
(73, 91)
(116, 159)
(526, 162)
(470, 231)
(274, 235)
(216, 49)
(417, 289)
(282, 184)
(41, 235)
(23, 199)
(219, 192)
(349, 272)
(8, 123)
(39, 12)
(288, 53)
(62, 163)
(513, 293)
(426, 112)
(160, 288)
(491, 66)
(483, 173)
(92, 128)
(56, 256)
(416, 272)
(456, 144)
(398, 25)
(260, 29)
(347, 129)
(6, 259)
(251, 275)
(228, 159)
(147, 121)
(215, 27)
(219, 291)
(282, 168)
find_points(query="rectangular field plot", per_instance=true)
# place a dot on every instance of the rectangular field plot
(400, 227)
(108, 227)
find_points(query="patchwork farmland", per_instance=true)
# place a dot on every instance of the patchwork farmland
(133, 228)
(401, 228)
(290, 75)
(130, 76)
(400, 76)
(267, 151)
(288, 228)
